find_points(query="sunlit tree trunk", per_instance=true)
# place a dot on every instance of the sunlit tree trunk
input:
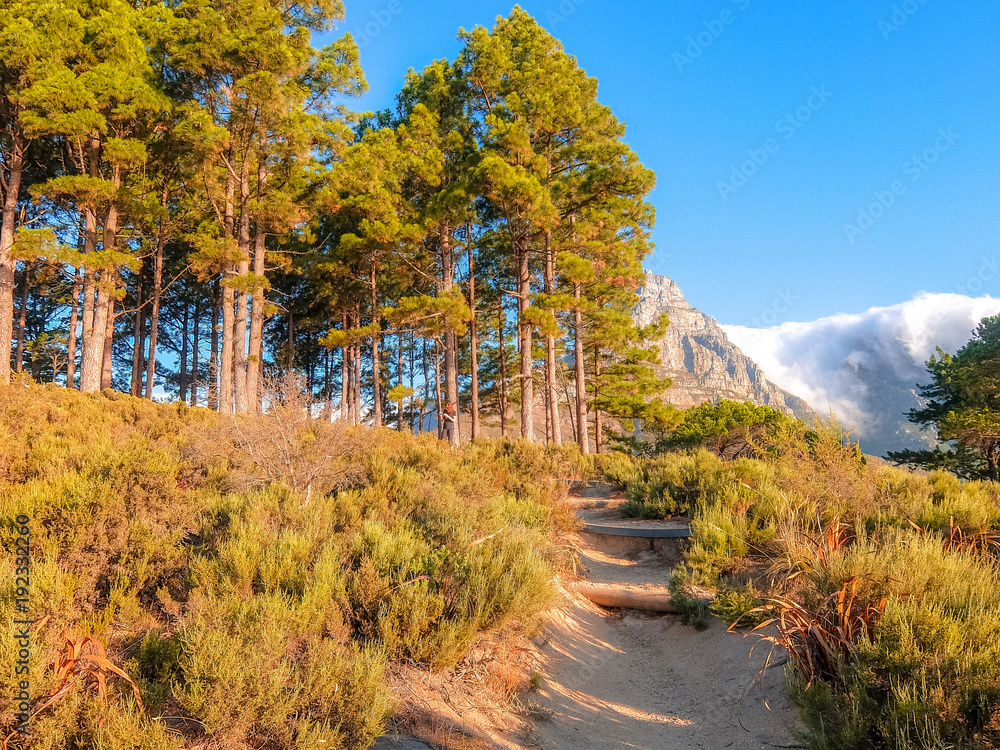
(473, 341)
(581, 381)
(94, 320)
(154, 311)
(11, 188)
(213, 356)
(376, 340)
(501, 325)
(138, 335)
(195, 346)
(228, 306)
(598, 422)
(74, 307)
(242, 294)
(109, 333)
(450, 337)
(182, 375)
(550, 347)
(22, 319)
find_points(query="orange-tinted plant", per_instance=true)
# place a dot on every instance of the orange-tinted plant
(820, 643)
(76, 663)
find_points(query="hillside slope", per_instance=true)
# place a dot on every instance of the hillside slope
(701, 360)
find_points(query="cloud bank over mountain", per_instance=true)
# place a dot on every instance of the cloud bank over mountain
(865, 366)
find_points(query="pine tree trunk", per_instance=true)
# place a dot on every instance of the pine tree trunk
(228, 302)
(598, 422)
(138, 335)
(376, 336)
(327, 386)
(154, 311)
(195, 345)
(427, 384)
(501, 325)
(242, 295)
(473, 340)
(182, 373)
(22, 319)
(12, 187)
(356, 362)
(581, 383)
(437, 388)
(106, 290)
(345, 381)
(572, 416)
(399, 372)
(74, 307)
(93, 329)
(450, 337)
(93, 349)
(413, 389)
(213, 355)
(90, 361)
(255, 362)
(524, 334)
(550, 346)
(109, 333)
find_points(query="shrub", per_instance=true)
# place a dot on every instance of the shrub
(263, 587)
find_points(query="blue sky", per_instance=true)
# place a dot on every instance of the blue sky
(811, 158)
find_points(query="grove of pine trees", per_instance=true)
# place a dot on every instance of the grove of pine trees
(191, 208)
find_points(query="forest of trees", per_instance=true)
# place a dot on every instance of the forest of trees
(191, 208)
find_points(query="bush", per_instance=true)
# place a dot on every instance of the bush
(895, 572)
(262, 590)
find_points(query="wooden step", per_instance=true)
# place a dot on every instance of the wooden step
(653, 599)
(641, 529)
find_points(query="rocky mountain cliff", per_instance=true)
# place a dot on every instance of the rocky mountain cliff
(701, 360)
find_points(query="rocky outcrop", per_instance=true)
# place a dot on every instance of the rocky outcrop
(701, 360)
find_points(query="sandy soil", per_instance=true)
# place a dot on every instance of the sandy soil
(610, 679)
(632, 680)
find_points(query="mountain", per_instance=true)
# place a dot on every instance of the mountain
(698, 356)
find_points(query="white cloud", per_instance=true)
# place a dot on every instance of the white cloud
(850, 363)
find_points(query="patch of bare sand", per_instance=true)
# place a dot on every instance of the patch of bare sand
(633, 680)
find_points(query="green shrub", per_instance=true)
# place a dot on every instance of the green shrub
(734, 604)
(265, 600)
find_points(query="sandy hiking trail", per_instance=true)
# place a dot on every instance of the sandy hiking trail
(615, 679)
(627, 679)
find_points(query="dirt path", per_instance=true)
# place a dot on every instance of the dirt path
(635, 680)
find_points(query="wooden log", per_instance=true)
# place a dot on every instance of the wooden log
(613, 596)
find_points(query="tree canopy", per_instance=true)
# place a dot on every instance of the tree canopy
(191, 208)
(963, 407)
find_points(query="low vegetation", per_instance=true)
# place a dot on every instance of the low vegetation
(247, 582)
(881, 583)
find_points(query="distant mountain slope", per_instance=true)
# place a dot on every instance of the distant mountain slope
(701, 360)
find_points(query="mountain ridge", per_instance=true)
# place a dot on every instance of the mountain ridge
(696, 353)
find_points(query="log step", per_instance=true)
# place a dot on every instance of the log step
(655, 600)
(645, 530)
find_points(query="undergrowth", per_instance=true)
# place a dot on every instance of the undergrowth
(254, 576)
(881, 583)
